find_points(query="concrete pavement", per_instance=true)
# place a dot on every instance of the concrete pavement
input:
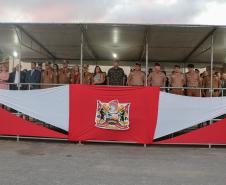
(41, 163)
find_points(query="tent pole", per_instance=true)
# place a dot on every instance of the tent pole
(146, 66)
(19, 57)
(184, 66)
(19, 85)
(211, 66)
(81, 59)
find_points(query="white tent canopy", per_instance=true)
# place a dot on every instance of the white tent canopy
(166, 43)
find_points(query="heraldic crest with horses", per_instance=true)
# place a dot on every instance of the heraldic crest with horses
(112, 115)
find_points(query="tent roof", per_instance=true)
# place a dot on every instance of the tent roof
(167, 43)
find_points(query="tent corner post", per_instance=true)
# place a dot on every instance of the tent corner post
(211, 65)
(81, 59)
(146, 62)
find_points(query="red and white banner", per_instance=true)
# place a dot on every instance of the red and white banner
(127, 114)
(15, 126)
(47, 105)
(139, 104)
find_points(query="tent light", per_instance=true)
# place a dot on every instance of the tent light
(114, 55)
(15, 54)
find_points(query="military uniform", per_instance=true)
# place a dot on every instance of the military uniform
(47, 78)
(87, 78)
(193, 81)
(157, 79)
(75, 77)
(116, 76)
(215, 84)
(64, 76)
(136, 78)
(177, 80)
(55, 77)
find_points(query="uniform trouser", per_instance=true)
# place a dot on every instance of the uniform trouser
(178, 91)
(194, 92)
(216, 93)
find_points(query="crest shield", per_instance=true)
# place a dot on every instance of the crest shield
(112, 115)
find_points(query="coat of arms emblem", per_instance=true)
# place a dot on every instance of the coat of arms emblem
(112, 115)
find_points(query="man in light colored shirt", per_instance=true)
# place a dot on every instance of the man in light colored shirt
(87, 76)
(64, 74)
(157, 77)
(216, 83)
(193, 81)
(136, 77)
(177, 79)
(47, 76)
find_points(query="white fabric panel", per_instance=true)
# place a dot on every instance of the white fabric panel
(177, 112)
(48, 105)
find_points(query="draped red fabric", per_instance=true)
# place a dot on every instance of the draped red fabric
(140, 104)
(211, 134)
(12, 125)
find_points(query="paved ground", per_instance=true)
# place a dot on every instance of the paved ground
(32, 163)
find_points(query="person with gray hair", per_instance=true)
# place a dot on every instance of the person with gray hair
(17, 77)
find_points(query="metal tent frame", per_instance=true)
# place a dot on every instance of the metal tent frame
(145, 43)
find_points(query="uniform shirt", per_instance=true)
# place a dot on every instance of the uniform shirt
(116, 76)
(192, 79)
(55, 77)
(47, 78)
(136, 78)
(216, 83)
(87, 78)
(64, 76)
(75, 77)
(157, 79)
(177, 80)
(223, 84)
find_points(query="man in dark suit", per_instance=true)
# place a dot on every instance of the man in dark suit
(33, 77)
(17, 77)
